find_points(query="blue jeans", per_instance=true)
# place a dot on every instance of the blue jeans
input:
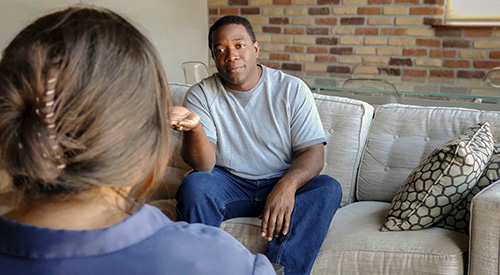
(212, 197)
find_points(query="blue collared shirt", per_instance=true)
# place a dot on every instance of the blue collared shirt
(147, 242)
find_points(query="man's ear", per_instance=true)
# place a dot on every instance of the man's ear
(257, 48)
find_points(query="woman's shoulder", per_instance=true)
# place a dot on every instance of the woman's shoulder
(200, 234)
(212, 247)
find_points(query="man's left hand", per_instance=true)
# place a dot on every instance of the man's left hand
(278, 211)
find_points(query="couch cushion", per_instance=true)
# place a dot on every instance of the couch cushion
(177, 92)
(346, 123)
(355, 245)
(247, 232)
(458, 219)
(441, 181)
(401, 136)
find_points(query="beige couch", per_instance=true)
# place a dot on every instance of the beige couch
(371, 153)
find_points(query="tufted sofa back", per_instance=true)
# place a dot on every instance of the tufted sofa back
(346, 123)
(401, 136)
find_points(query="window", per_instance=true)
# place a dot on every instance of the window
(472, 12)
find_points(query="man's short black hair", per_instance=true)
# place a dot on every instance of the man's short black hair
(231, 19)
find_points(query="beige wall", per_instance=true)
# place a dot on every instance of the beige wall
(177, 28)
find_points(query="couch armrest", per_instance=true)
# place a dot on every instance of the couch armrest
(485, 231)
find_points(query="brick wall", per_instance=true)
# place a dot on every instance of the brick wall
(319, 39)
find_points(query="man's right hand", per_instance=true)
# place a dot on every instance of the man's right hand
(184, 120)
(197, 150)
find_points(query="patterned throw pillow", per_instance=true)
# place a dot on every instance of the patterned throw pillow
(441, 180)
(459, 217)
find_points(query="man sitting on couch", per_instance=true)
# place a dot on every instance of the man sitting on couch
(255, 141)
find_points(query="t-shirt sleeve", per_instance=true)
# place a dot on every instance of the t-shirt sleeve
(306, 125)
(197, 102)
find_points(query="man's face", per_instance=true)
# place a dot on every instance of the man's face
(235, 56)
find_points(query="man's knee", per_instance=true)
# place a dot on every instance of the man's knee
(326, 183)
(194, 186)
(329, 187)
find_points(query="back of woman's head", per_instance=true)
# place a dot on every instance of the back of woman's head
(83, 103)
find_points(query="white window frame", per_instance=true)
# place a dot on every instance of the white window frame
(472, 12)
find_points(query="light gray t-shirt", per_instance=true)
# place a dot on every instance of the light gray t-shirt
(256, 131)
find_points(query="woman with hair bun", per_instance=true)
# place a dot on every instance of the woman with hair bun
(84, 137)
